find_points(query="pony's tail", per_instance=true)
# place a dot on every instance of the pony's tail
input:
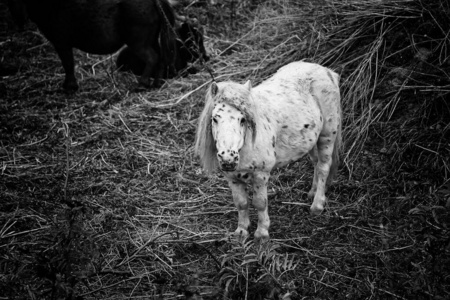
(167, 36)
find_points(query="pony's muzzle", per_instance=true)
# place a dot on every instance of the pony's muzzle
(228, 162)
(224, 166)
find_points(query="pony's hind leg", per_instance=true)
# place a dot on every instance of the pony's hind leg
(325, 145)
(314, 156)
(240, 199)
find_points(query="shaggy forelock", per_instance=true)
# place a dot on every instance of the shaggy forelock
(239, 97)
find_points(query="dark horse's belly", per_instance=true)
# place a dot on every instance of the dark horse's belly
(95, 44)
(99, 35)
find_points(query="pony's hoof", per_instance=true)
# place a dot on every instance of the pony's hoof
(241, 234)
(261, 235)
(316, 209)
(158, 83)
(138, 88)
(70, 86)
(145, 82)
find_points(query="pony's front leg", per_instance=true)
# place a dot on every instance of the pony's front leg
(240, 198)
(260, 202)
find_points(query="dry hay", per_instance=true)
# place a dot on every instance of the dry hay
(394, 60)
(102, 197)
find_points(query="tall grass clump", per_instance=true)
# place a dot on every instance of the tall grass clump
(393, 57)
(256, 271)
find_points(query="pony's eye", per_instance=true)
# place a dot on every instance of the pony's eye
(214, 120)
(243, 121)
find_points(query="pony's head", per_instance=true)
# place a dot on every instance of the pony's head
(225, 125)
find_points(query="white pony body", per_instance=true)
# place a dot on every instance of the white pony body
(246, 132)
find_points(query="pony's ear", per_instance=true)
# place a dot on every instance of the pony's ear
(214, 88)
(248, 85)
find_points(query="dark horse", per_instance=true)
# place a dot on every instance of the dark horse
(189, 46)
(103, 27)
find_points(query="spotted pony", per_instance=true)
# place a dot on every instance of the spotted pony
(246, 132)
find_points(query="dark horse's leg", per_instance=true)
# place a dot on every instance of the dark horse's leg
(150, 58)
(127, 61)
(66, 56)
(147, 28)
(142, 41)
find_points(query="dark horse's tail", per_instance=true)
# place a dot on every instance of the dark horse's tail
(167, 36)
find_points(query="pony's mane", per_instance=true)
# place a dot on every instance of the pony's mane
(231, 93)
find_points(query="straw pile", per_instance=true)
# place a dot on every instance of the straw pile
(394, 60)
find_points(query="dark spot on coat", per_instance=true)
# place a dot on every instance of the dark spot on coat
(334, 132)
(285, 126)
(302, 133)
(273, 141)
(306, 125)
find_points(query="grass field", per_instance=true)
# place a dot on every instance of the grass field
(102, 197)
